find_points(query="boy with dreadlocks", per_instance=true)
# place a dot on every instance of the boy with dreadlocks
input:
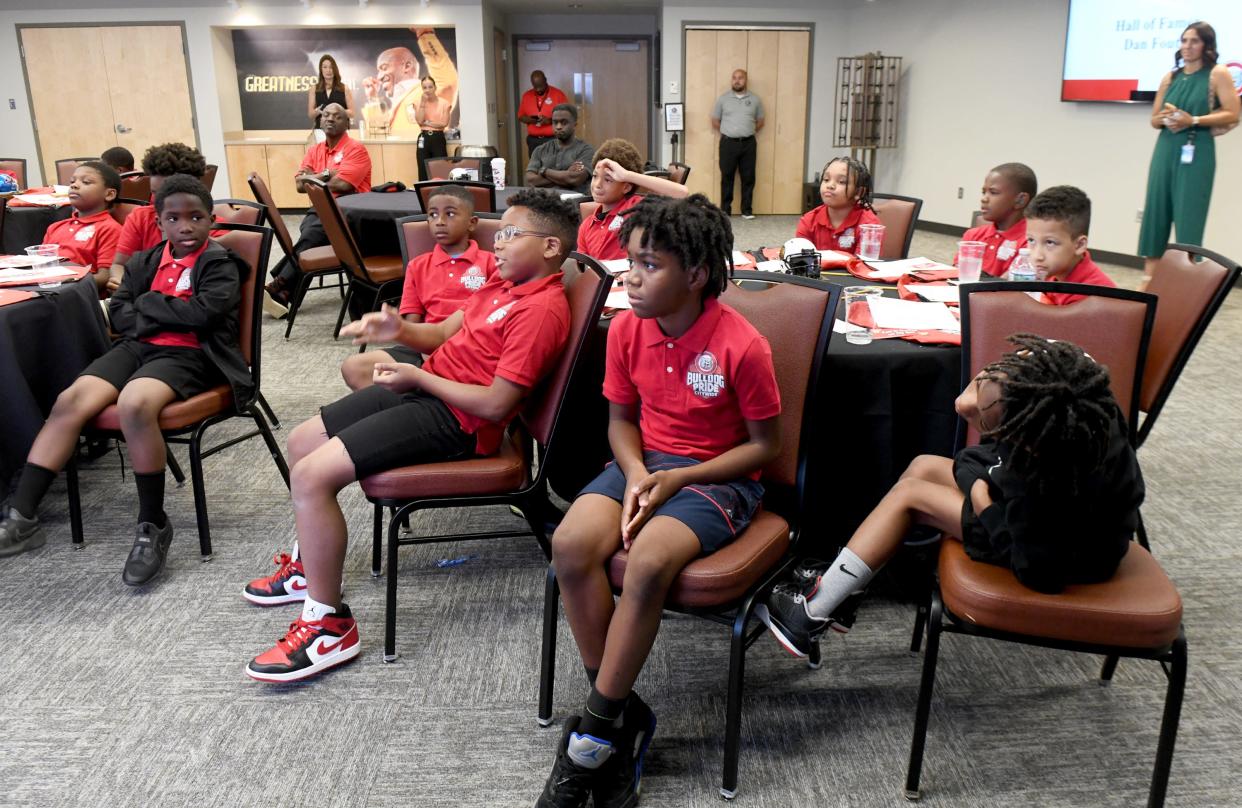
(1052, 491)
(845, 188)
(693, 406)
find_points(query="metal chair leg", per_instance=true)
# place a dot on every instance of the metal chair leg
(920, 621)
(340, 317)
(377, 541)
(733, 712)
(200, 494)
(173, 465)
(295, 302)
(273, 447)
(547, 655)
(1169, 723)
(75, 503)
(268, 412)
(1106, 672)
(915, 770)
(390, 600)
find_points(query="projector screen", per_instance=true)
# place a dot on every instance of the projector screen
(1119, 50)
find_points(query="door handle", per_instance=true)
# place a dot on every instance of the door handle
(122, 129)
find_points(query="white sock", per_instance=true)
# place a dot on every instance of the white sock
(296, 551)
(313, 611)
(847, 575)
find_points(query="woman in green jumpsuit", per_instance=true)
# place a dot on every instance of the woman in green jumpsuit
(1183, 166)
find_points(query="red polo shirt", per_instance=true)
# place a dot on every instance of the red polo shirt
(815, 225)
(1085, 271)
(512, 331)
(172, 278)
(599, 235)
(349, 160)
(1002, 246)
(437, 284)
(697, 390)
(141, 231)
(534, 104)
(88, 241)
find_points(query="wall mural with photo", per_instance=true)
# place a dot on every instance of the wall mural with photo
(383, 67)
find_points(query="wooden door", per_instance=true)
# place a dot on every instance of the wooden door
(609, 81)
(96, 87)
(777, 65)
(505, 124)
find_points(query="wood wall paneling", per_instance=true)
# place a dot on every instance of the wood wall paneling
(149, 86)
(764, 80)
(283, 162)
(241, 160)
(401, 163)
(789, 119)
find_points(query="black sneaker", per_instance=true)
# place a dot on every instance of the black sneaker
(620, 783)
(786, 616)
(806, 576)
(19, 534)
(146, 557)
(570, 783)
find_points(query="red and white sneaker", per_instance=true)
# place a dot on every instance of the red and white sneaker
(286, 585)
(308, 649)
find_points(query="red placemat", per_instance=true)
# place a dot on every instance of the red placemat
(14, 202)
(8, 296)
(908, 284)
(78, 274)
(860, 314)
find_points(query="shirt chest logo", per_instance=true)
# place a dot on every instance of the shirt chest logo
(846, 239)
(704, 378)
(615, 224)
(473, 279)
(1007, 250)
(338, 157)
(85, 234)
(499, 314)
(183, 283)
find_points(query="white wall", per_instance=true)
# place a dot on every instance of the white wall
(17, 133)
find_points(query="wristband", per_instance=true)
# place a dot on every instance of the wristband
(1194, 121)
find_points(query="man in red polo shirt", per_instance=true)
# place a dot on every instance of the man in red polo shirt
(345, 166)
(535, 110)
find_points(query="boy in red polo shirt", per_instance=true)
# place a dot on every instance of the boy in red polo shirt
(693, 406)
(616, 177)
(88, 237)
(845, 187)
(141, 230)
(176, 312)
(437, 283)
(1007, 190)
(483, 361)
(1056, 234)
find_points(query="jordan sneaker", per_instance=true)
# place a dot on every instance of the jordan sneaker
(286, 585)
(308, 649)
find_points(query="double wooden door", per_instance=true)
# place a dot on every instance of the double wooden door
(777, 64)
(92, 88)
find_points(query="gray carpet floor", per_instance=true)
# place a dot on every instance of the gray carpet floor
(122, 697)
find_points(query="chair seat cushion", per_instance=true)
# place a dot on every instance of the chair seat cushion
(500, 473)
(317, 259)
(727, 574)
(177, 415)
(1137, 608)
(384, 268)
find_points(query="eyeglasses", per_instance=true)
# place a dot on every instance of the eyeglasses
(511, 231)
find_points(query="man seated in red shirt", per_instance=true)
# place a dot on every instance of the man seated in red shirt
(1056, 234)
(342, 163)
(141, 230)
(88, 238)
(484, 360)
(535, 110)
(616, 178)
(1007, 190)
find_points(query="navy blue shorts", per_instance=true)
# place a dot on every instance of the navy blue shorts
(716, 512)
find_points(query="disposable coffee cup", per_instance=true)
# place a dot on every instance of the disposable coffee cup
(498, 173)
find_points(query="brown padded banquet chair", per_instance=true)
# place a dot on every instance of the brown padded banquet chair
(899, 215)
(678, 172)
(1137, 613)
(17, 167)
(725, 586)
(135, 185)
(66, 167)
(484, 193)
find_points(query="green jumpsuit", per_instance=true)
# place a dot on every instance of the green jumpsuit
(1178, 193)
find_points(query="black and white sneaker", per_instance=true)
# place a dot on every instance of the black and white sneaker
(580, 760)
(19, 534)
(146, 557)
(787, 616)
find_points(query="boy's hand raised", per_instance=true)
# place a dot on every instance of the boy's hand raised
(396, 376)
(376, 326)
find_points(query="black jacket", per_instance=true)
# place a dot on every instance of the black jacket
(1050, 542)
(211, 311)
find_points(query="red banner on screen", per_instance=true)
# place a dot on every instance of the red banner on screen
(1097, 89)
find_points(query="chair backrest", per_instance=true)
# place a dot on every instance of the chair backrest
(252, 244)
(209, 175)
(586, 209)
(414, 234)
(264, 196)
(796, 316)
(898, 214)
(484, 193)
(439, 168)
(485, 231)
(337, 229)
(122, 207)
(1191, 292)
(586, 289)
(976, 219)
(238, 211)
(66, 167)
(678, 172)
(135, 185)
(1113, 325)
(17, 167)
(4, 206)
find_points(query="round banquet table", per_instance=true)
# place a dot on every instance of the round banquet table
(44, 344)
(881, 405)
(24, 226)
(371, 215)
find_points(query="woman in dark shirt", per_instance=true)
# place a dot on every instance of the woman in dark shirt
(328, 90)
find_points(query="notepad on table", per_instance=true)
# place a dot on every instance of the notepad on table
(892, 270)
(889, 312)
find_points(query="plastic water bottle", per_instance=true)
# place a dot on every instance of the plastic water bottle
(1021, 269)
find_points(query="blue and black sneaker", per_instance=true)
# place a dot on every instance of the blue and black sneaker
(580, 762)
(621, 782)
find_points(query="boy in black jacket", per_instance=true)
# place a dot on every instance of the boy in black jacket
(1051, 491)
(176, 312)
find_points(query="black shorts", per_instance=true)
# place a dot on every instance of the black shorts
(187, 371)
(400, 353)
(384, 430)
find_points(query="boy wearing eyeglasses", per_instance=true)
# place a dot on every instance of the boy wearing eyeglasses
(483, 361)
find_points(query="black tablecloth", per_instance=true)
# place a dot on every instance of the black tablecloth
(882, 404)
(371, 216)
(44, 344)
(25, 226)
